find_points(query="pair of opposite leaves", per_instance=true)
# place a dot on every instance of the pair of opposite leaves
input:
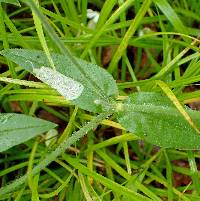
(151, 116)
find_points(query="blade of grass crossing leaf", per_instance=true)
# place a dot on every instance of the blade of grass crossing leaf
(67, 80)
(176, 102)
(40, 33)
(64, 50)
(171, 130)
(194, 171)
(130, 32)
(169, 177)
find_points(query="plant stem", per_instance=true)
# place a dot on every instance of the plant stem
(58, 151)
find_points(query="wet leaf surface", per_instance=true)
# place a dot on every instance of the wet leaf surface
(18, 128)
(153, 117)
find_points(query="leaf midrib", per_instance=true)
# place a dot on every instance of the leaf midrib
(155, 109)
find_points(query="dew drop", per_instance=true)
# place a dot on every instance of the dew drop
(66, 86)
(119, 107)
(97, 102)
(30, 63)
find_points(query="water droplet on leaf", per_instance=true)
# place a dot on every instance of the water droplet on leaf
(66, 86)
(97, 102)
(4, 118)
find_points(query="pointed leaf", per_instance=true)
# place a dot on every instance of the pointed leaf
(154, 118)
(18, 128)
(88, 100)
(14, 2)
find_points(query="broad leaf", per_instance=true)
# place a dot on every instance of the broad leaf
(88, 99)
(15, 2)
(18, 128)
(154, 118)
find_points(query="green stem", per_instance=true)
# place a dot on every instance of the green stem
(58, 151)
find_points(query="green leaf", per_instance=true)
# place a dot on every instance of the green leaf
(154, 118)
(32, 60)
(18, 128)
(15, 2)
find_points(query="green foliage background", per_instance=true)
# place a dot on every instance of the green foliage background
(147, 41)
